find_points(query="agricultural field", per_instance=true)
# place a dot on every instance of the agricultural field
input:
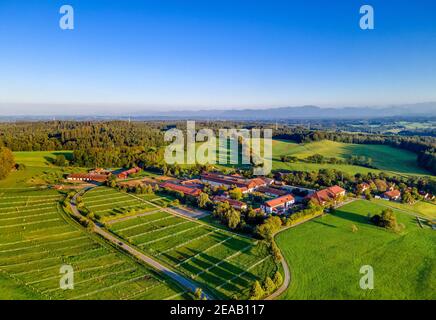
(384, 157)
(36, 239)
(420, 208)
(325, 256)
(224, 262)
(106, 204)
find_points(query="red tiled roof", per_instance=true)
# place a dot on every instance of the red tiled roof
(233, 180)
(95, 177)
(393, 193)
(274, 191)
(336, 190)
(326, 194)
(279, 201)
(232, 202)
(186, 190)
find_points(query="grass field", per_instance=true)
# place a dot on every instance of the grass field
(224, 262)
(325, 257)
(384, 157)
(36, 240)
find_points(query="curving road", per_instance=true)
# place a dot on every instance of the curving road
(183, 281)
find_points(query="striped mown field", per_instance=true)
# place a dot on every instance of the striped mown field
(224, 262)
(36, 239)
(108, 204)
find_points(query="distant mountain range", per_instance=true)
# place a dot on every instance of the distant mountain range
(305, 112)
(427, 110)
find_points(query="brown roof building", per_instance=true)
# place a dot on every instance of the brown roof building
(326, 195)
(239, 205)
(195, 192)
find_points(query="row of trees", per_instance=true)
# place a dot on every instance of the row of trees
(379, 182)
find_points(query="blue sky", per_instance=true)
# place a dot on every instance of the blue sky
(162, 54)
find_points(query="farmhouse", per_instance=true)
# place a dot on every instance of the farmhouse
(125, 174)
(326, 195)
(392, 195)
(194, 192)
(272, 192)
(363, 187)
(278, 205)
(246, 185)
(87, 177)
(239, 205)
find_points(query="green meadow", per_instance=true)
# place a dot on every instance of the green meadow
(325, 256)
(384, 158)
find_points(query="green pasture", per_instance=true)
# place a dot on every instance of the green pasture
(325, 256)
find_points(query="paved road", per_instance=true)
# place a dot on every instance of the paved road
(185, 282)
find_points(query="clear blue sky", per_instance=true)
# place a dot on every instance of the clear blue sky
(164, 54)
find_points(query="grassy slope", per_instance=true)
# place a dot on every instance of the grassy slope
(423, 208)
(325, 257)
(384, 157)
(39, 169)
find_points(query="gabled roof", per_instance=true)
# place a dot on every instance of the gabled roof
(232, 202)
(186, 190)
(393, 193)
(326, 195)
(336, 190)
(279, 201)
(270, 190)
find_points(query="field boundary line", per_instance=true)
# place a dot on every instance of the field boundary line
(107, 288)
(186, 242)
(142, 224)
(237, 253)
(37, 239)
(29, 223)
(210, 248)
(159, 229)
(242, 273)
(168, 236)
(24, 217)
(43, 244)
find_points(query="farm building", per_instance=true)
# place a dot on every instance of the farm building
(392, 195)
(272, 192)
(326, 195)
(246, 185)
(238, 205)
(87, 177)
(125, 174)
(362, 187)
(194, 192)
(278, 205)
